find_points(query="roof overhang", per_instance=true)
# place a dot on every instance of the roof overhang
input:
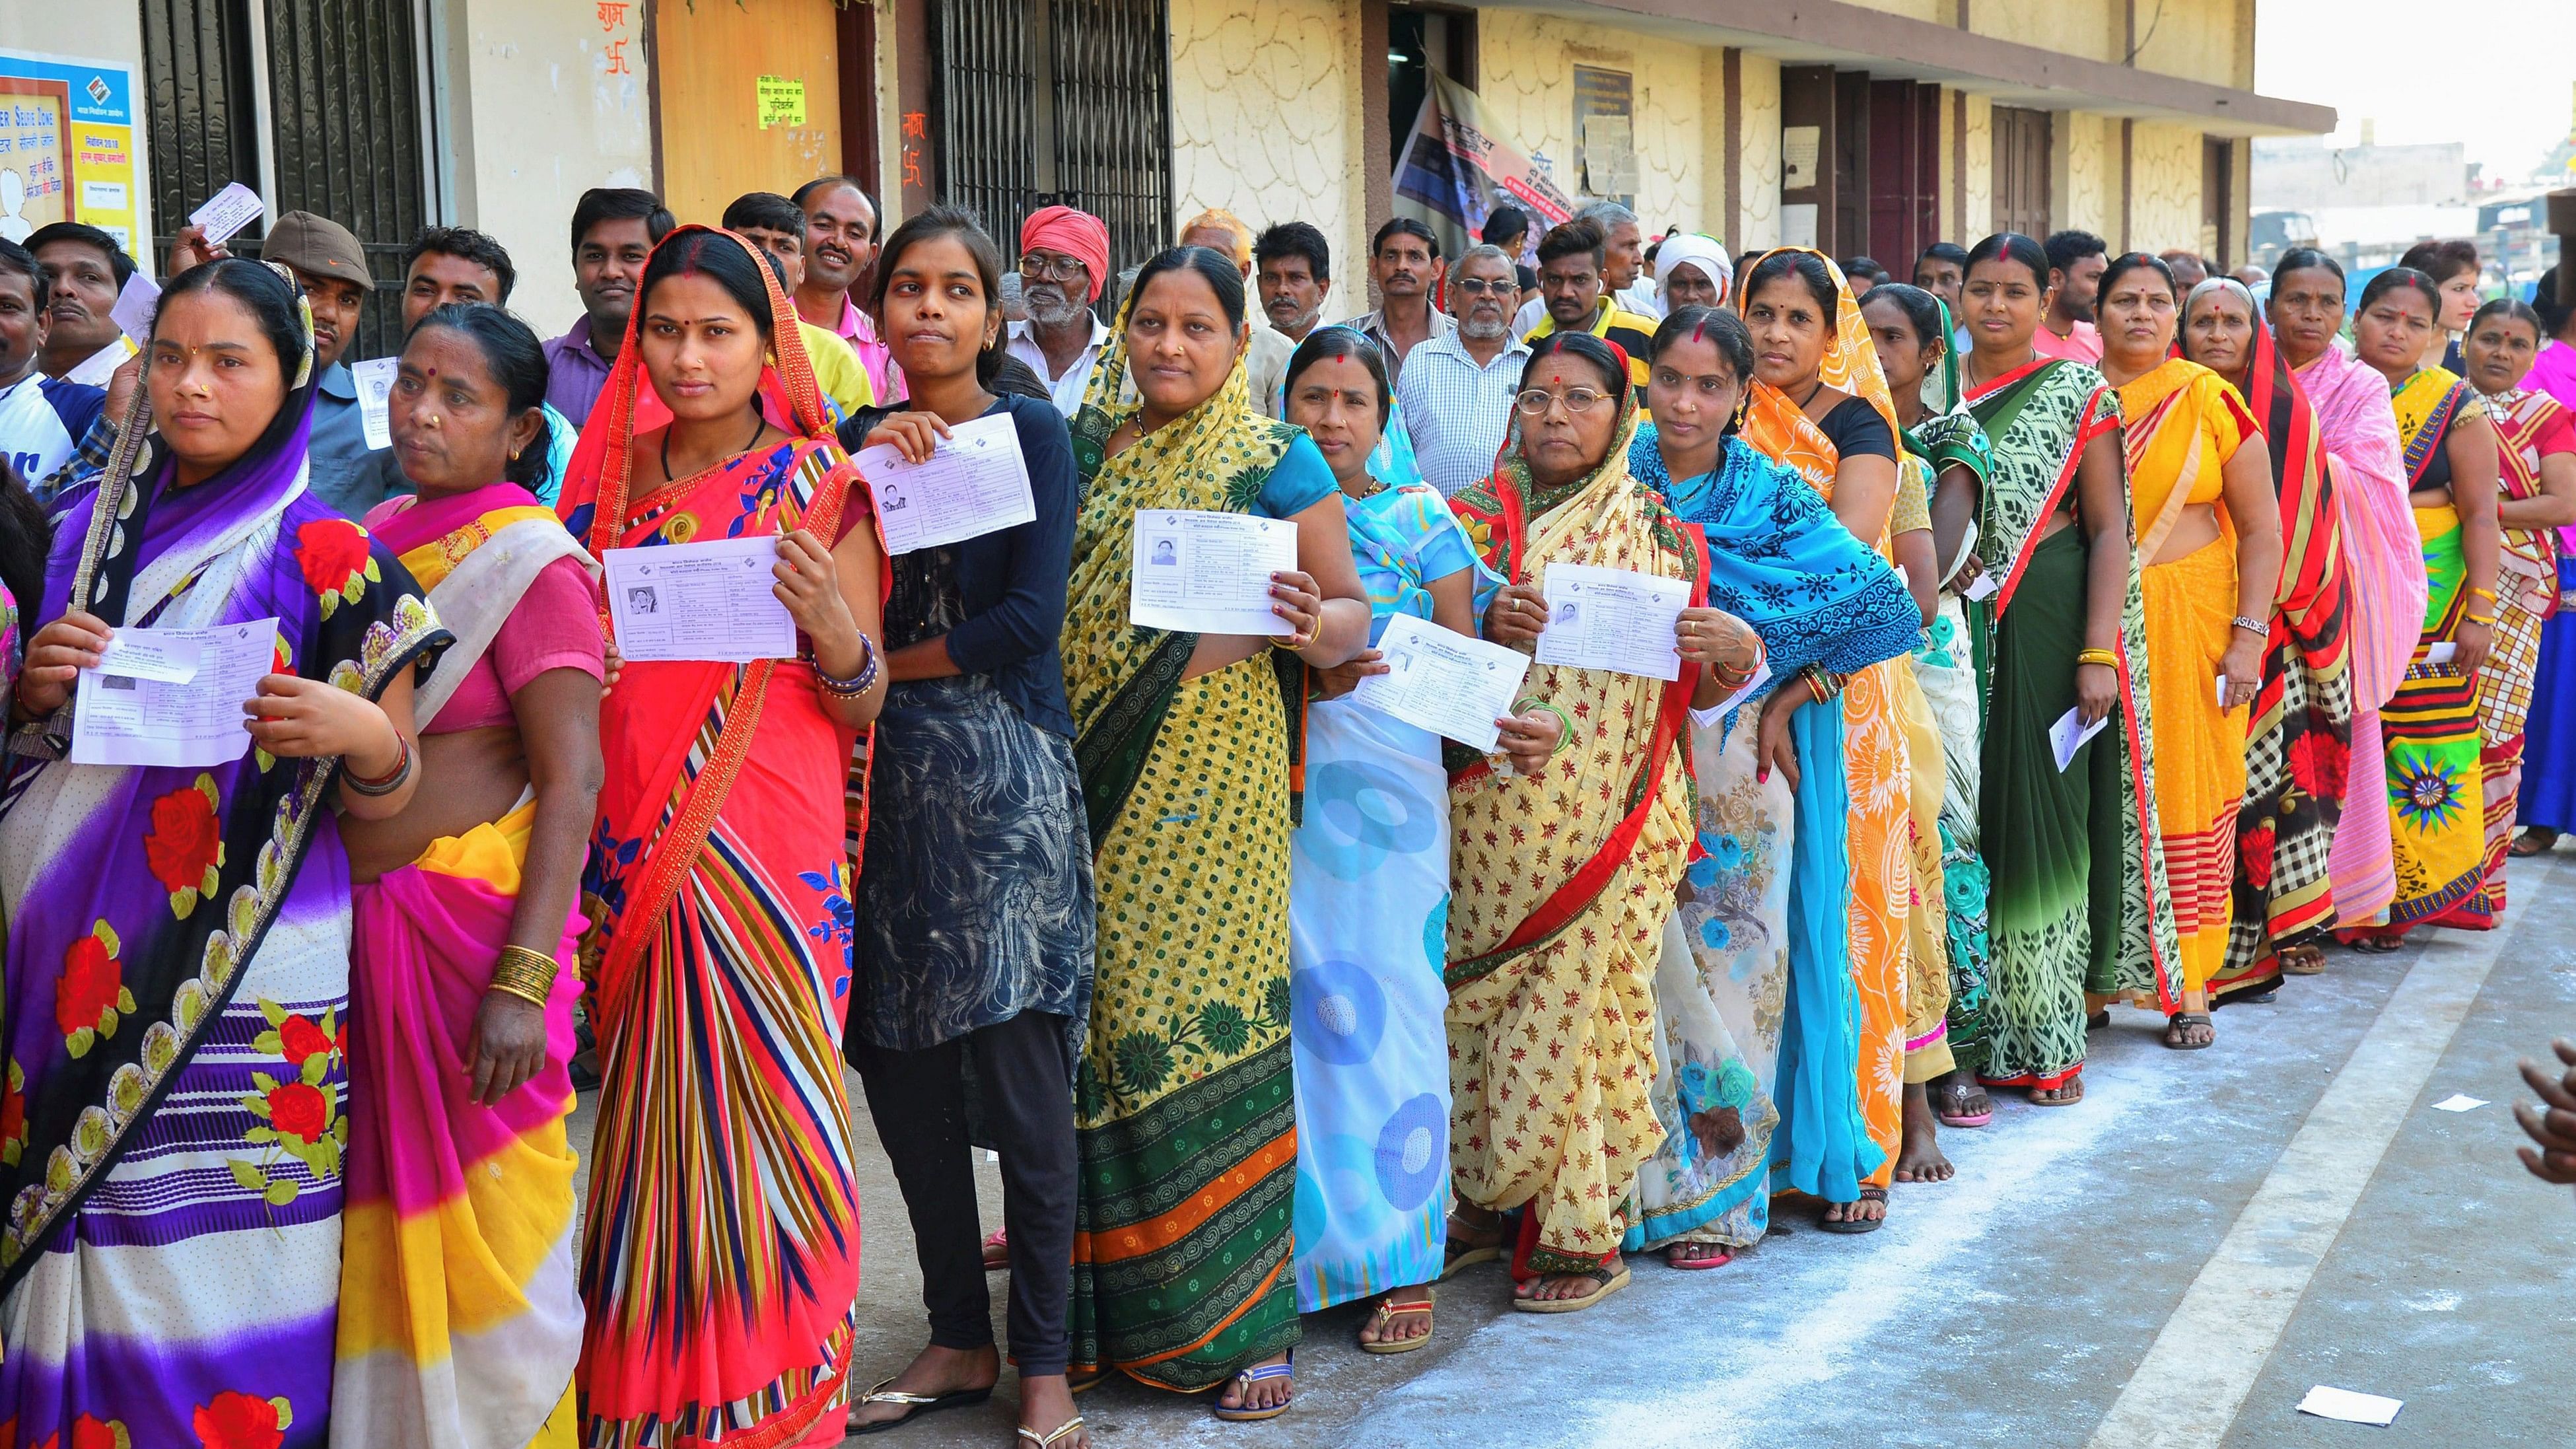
(1839, 33)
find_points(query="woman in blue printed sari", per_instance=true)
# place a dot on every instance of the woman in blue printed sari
(1368, 881)
(1739, 1025)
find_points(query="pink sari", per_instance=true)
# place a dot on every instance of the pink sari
(2386, 559)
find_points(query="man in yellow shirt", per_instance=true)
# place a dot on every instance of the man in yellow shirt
(776, 225)
(1570, 259)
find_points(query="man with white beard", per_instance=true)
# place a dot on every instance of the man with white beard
(1064, 263)
(1456, 389)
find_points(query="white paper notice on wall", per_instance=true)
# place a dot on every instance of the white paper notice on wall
(1609, 156)
(1800, 146)
(1798, 224)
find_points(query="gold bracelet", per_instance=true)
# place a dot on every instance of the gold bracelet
(2482, 620)
(2486, 594)
(2103, 657)
(523, 973)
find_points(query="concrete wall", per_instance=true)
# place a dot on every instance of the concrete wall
(1267, 121)
(100, 32)
(1979, 219)
(1525, 75)
(1758, 222)
(2084, 177)
(2094, 29)
(537, 112)
(2164, 187)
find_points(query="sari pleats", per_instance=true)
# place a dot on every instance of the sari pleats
(2432, 738)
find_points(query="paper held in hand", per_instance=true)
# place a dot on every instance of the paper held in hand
(699, 601)
(1446, 683)
(226, 212)
(171, 696)
(1209, 573)
(1612, 619)
(2069, 734)
(975, 483)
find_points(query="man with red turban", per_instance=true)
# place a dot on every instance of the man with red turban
(1064, 263)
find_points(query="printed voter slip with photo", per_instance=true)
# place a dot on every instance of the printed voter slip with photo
(1209, 573)
(975, 483)
(711, 601)
(1444, 682)
(172, 696)
(1612, 619)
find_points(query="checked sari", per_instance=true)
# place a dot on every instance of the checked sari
(1563, 882)
(720, 1252)
(1184, 1103)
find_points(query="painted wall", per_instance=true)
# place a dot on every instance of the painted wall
(1267, 122)
(2084, 190)
(2164, 187)
(1525, 73)
(1979, 221)
(89, 31)
(545, 99)
(2094, 29)
(2200, 39)
(1758, 224)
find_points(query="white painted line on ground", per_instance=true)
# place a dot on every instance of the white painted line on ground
(2193, 1381)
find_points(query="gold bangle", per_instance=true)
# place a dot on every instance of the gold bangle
(2103, 657)
(526, 974)
(2486, 594)
(2482, 620)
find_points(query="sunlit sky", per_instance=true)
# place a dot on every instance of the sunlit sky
(2499, 75)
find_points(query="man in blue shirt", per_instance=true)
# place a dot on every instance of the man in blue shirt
(42, 419)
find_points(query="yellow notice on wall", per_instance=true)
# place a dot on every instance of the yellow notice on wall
(781, 101)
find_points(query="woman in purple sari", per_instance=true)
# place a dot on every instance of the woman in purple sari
(173, 1122)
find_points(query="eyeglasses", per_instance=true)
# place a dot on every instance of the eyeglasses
(1534, 403)
(1039, 267)
(1478, 286)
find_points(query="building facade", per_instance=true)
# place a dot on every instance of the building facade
(1860, 125)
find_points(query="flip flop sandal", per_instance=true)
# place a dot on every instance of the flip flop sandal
(2181, 1020)
(1385, 1318)
(1468, 1257)
(1611, 1282)
(1858, 1225)
(2375, 945)
(1001, 1239)
(1047, 1441)
(1963, 1119)
(1243, 1383)
(916, 1404)
(1700, 1264)
(2525, 845)
(2303, 961)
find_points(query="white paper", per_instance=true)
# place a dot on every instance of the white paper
(1446, 683)
(699, 601)
(2350, 1407)
(124, 719)
(976, 483)
(95, 369)
(1612, 619)
(1209, 573)
(2440, 653)
(226, 212)
(2067, 736)
(375, 380)
(136, 301)
(2222, 691)
(171, 656)
(2458, 1102)
(1983, 586)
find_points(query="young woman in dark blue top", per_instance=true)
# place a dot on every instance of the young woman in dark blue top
(974, 930)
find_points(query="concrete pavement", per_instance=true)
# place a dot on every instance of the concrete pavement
(2171, 1263)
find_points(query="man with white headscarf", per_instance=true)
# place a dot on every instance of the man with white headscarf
(1691, 271)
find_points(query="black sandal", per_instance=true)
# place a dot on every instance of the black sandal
(2178, 1027)
(1859, 1225)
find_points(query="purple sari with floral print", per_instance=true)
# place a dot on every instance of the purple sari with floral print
(178, 983)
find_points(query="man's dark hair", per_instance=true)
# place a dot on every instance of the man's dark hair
(1506, 224)
(1297, 239)
(805, 193)
(15, 258)
(472, 246)
(2066, 248)
(1857, 267)
(72, 231)
(1951, 252)
(619, 203)
(1568, 238)
(1404, 226)
(767, 210)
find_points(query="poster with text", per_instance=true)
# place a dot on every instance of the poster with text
(67, 147)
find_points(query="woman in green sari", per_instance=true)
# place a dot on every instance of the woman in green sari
(1184, 1112)
(2078, 906)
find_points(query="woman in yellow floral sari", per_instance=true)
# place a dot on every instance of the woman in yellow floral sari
(1184, 1109)
(1563, 879)
(1820, 405)
(2209, 545)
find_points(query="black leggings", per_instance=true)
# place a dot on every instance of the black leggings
(1024, 1093)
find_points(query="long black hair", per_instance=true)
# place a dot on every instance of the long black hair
(1922, 311)
(727, 261)
(26, 537)
(1215, 267)
(2394, 278)
(1326, 343)
(2011, 246)
(271, 300)
(517, 362)
(1809, 269)
(957, 224)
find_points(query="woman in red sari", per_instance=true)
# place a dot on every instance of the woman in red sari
(720, 1261)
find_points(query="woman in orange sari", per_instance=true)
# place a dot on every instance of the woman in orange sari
(720, 1260)
(1820, 406)
(2209, 546)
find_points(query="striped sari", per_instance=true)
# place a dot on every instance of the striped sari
(720, 1251)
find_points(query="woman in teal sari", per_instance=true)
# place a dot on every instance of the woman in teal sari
(1725, 993)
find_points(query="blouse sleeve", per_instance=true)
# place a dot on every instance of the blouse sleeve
(1913, 510)
(2558, 435)
(1301, 480)
(2225, 415)
(1857, 431)
(554, 626)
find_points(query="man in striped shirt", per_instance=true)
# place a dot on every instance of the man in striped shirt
(1456, 392)
(1570, 259)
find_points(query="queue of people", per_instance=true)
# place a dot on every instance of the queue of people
(2065, 632)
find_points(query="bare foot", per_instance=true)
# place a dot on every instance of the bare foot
(1256, 1395)
(1868, 1210)
(1388, 1326)
(2064, 1094)
(935, 1373)
(1698, 1255)
(1046, 1406)
(1918, 1157)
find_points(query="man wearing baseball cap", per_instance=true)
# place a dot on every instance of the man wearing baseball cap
(345, 472)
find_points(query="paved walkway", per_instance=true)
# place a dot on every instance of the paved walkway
(2171, 1263)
